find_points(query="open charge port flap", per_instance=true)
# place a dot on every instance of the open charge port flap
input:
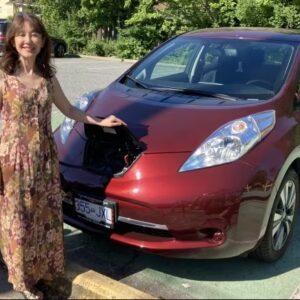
(109, 151)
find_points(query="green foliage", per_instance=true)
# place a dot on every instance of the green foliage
(110, 48)
(105, 13)
(269, 13)
(140, 25)
(78, 21)
(143, 31)
(154, 21)
(100, 47)
(224, 12)
(61, 20)
(254, 12)
(130, 48)
(95, 47)
(189, 14)
(286, 16)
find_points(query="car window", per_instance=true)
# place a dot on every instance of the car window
(246, 69)
(174, 62)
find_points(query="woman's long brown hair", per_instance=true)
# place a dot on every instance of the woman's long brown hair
(9, 62)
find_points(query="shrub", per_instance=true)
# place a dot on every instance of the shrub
(100, 47)
(110, 48)
(130, 48)
(94, 47)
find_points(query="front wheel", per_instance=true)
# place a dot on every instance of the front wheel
(282, 220)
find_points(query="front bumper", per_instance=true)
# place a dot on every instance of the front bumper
(214, 219)
(151, 239)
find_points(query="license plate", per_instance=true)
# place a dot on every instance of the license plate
(96, 213)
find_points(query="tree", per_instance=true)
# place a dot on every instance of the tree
(144, 30)
(255, 12)
(106, 15)
(286, 16)
(224, 12)
(141, 25)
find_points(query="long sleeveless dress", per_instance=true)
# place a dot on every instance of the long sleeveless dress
(31, 223)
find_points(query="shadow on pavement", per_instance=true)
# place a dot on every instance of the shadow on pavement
(120, 262)
(101, 255)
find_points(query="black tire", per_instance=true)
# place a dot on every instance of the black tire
(282, 220)
(59, 50)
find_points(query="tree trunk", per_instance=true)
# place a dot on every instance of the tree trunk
(100, 34)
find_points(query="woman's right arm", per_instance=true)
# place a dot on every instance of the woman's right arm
(72, 112)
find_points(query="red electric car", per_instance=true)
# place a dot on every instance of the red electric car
(209, 164)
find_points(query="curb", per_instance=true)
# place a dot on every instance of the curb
(88, 284)
(108, 58)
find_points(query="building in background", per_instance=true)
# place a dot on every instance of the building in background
(9, 7)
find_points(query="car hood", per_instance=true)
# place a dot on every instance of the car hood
(169, 122)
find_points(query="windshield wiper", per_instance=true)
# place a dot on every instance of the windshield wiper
(198, 92)
(137, 82)
(183, 91)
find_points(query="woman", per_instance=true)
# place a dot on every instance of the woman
(31, 224)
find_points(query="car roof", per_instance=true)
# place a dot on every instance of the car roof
(251, 33)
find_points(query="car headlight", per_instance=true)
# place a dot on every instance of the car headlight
(81, 103)
(231, 141)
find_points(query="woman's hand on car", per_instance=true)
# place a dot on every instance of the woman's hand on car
(111, 121)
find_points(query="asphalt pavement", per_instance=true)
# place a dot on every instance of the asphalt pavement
(163, 277)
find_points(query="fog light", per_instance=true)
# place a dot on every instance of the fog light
(218, 236)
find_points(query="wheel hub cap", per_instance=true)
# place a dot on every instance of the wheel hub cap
(284, 215)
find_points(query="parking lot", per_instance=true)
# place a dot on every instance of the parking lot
(159, 276)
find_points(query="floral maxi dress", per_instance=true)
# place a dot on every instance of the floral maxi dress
(31, 224)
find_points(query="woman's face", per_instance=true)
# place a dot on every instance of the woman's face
(28, 42)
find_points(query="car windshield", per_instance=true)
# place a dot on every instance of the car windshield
(247, 69)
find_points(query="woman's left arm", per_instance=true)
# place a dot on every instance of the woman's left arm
(72, 112)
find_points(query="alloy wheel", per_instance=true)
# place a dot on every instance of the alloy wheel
(284, 215)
